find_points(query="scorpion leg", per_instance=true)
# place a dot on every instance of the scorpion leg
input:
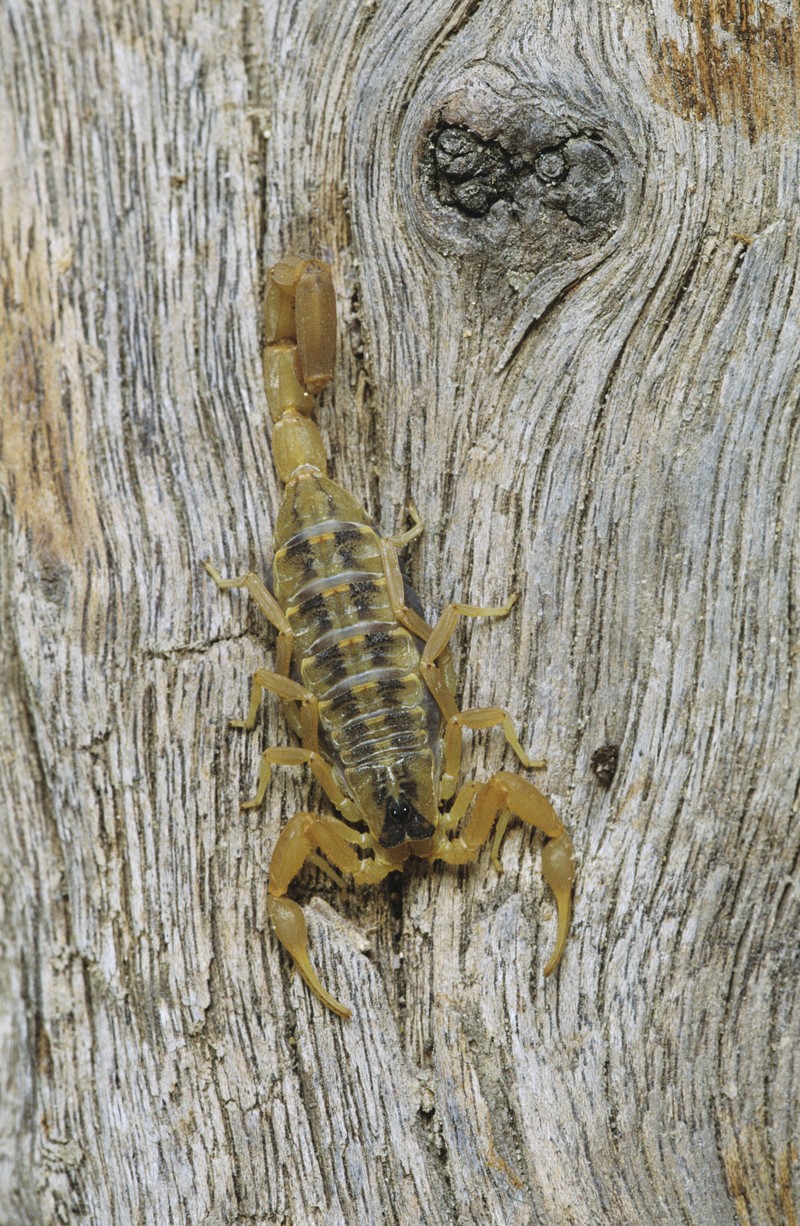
(434, 655)
(442, 632)
(293, 755)
(395, 589)
(288, 691)
(301, 838)
(411, 534)
(267, 604)
(478, 717)
(506, 793)
(458, 809)
(275, 615)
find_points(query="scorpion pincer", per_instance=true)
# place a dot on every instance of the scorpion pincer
(365, 682)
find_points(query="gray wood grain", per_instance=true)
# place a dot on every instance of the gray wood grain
(591, 390)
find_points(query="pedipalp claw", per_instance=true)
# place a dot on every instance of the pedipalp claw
(558, 870)
(289, 925)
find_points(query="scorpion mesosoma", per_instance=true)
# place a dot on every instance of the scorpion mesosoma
(365, 682)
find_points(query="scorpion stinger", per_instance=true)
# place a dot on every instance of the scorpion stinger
(364, 680)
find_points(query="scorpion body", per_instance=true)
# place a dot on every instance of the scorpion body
(380, 727)
(365, 682)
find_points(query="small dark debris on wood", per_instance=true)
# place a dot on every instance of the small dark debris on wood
(604, 763)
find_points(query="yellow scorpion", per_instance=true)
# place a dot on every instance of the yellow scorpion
(365, 682)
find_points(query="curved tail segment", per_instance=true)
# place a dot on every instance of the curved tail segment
(300, 331)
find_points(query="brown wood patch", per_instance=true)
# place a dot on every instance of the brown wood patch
(736, 62)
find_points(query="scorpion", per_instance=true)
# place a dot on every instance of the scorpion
(365, 682)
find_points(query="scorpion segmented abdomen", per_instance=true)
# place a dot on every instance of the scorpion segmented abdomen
(349, 649)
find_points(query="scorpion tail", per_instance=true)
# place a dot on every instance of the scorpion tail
(300, 346)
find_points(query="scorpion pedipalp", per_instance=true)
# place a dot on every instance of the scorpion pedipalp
(558, 870)
(289, 926)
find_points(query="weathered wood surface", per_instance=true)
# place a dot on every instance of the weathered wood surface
(591, 389)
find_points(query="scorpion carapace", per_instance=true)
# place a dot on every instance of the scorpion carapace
(364, 680)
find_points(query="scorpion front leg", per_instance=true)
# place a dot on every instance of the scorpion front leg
(300, 839)
(292, 755)
(503, 795)
(295, 698)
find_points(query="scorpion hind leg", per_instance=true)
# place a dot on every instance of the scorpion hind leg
(401, 539)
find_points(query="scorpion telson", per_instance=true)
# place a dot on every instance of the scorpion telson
(365, 682)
